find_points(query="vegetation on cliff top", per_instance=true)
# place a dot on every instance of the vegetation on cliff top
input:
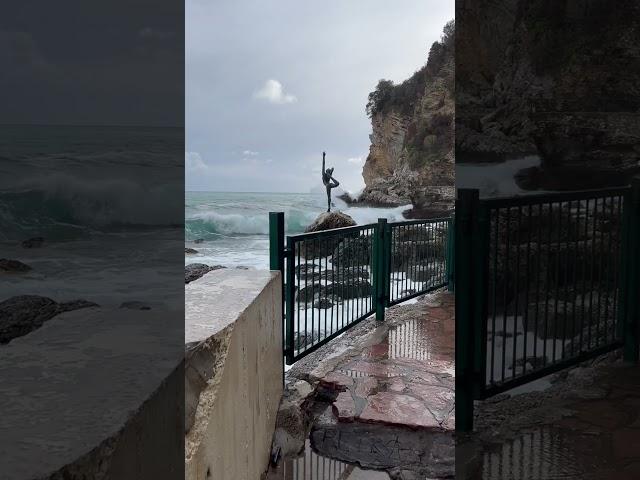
(402, 97)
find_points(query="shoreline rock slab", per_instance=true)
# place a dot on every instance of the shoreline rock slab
(23, 314)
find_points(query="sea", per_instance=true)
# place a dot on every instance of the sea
(232, 229)
(108, 202)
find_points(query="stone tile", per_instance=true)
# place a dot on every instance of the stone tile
(336, 381)
(376, 369)
(344, 407)
(398, 409)
(438, 399)
(378, 352)
(396, 385)
(365, 385)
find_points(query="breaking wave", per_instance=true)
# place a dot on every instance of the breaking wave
(59, 204)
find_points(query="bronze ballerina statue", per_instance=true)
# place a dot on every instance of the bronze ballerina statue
(329, 182)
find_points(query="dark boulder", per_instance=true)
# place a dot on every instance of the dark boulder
(35, 242)
(329, 221)
(193, 271)
(323, 303)
(190, 251)
(135, 305)
(353, 251)
(23, 314)
(13, 266)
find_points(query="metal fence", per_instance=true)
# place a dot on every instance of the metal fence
(417, 257)
(333, 279)
(543, 283)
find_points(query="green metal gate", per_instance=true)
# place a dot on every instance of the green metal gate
(543, 282)
(334, 279)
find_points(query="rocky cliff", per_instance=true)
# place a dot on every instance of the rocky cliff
(553, 78)
(411, 156)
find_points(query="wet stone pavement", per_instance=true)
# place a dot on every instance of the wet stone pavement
(586, 425)
(384, 407)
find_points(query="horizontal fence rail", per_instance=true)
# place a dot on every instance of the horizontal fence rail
(544, 283)
(335, 278)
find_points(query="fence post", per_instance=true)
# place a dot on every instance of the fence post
(631, 323)
(276, 261)
(379, 272)
(451, 255)
(466, 206)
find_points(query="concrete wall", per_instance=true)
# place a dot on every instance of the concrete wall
(94, 393)
(233, 373)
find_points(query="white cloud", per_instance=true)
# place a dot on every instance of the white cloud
(273, 92)
(250, 153)
(193, 162)
(356, 160)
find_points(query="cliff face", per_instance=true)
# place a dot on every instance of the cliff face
(554, 78)
(411, 156)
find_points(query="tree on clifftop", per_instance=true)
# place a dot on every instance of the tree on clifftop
(379, 97)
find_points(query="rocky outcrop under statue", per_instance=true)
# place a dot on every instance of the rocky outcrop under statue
(411, 159)
(329, 221)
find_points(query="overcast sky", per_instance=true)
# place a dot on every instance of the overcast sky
(270, 85)
(78, 62)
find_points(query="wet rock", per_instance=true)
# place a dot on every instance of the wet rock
(135, 305)
(338, 275)
(23, 314)
(329, 221)
(35, 242)
(323, 303)
(406, 255)
(310, 293)
(427, 453)
(291, 421)
(13, 266)
(242, 267)
(425, 273)
(198, 240)
(409, 291)
(355, 288)
(353, 251)
(190, 251)
(193, 271)
(76, 305)
(304, 340)
(336, 382)
(305, 269)
(344, 408)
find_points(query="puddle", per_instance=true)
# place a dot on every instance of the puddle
(549, 453)
(311, 466)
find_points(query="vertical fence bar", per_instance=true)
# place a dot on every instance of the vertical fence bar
(276, 262)
(450, 259)
(480, 253)
(466, 205)
(631, 336)
(290, 300)
(388, 270)
(379, 268)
